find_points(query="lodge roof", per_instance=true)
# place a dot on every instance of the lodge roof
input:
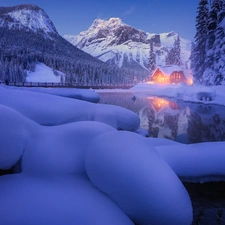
(169, 69)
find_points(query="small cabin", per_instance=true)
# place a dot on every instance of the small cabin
(169, 75)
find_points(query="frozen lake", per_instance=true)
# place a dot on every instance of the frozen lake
(176, 120)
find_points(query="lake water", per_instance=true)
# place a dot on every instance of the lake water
(172, 119)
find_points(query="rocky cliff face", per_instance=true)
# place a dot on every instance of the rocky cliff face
(26, 17)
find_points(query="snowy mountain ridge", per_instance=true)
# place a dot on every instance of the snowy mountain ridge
(26, 17)
(28, 35)
(116, 42)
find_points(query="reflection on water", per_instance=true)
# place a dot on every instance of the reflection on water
(175, 120)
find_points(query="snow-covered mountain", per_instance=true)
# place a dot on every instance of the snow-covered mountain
(28, 36)
(26, 17)
(116, 42)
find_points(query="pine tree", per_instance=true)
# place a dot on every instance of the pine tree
(219, 46)
(212, 23)
(198, 54)
(213, 62)
(152, 58)
(174, 55)
(177, 52)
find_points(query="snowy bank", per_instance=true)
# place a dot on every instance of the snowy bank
(200, 162)
(188, 93)
(81, 94)
(51, 110)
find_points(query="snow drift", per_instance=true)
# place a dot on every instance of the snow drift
(121, 165)
(53, 188)
(88, 95)
(54, 110)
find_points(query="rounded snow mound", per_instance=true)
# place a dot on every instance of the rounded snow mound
(61, 149)
(132, 174)
(14, 133)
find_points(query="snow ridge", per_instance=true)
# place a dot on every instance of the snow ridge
(26, 17)
(114, 41)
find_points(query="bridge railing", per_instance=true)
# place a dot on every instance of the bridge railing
(68, 85)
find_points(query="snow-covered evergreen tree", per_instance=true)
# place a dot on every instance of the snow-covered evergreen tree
(152, 58)
(174, 55)
(169, 57)
(198, 54)
(219, 46)
(214, 62)
(177, 52)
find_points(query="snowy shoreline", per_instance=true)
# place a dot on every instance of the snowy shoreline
(214, 95)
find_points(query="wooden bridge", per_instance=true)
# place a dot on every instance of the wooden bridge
(68, 85)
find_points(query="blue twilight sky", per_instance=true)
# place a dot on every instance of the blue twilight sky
(154, 16)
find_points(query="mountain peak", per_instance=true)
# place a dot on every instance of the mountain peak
(118, 43)
(112, 23)
(115, 20)
(6, 10)
(27, 17)
(114, 31)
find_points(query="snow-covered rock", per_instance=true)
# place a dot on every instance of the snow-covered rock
(114, 41)
(27, 17)
(51, 110)
(122, 165)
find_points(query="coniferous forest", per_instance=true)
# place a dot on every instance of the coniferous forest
(208, 50)
(20, 50)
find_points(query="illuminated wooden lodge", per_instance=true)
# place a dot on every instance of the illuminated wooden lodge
(169, 75)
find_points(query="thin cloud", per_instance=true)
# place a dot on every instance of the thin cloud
(129, 11)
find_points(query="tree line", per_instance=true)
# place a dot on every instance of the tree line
(20, 50)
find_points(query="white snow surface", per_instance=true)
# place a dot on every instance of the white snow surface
(56, 200)
(65, 144)
(53, 188)
(88, 95)
(69, 144)
(122, 165)
(33, 20)
(30, 18)
(200, 162)
(14, 133)
(52, 110)
(43, 73)
(84, 171)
